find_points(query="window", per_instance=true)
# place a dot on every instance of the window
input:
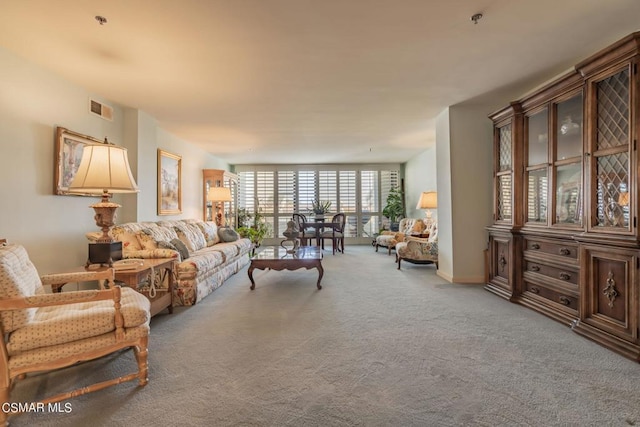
(359, 192)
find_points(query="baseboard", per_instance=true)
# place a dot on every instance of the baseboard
(479, 280)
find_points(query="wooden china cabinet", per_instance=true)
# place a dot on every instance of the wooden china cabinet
(220, 178)
(565, 239)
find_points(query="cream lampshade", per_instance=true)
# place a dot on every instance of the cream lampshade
(428, 200)
(219, 195)
(104, 170)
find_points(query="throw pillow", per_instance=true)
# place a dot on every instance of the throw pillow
(418, 227)
(228, 234)
(176, 245)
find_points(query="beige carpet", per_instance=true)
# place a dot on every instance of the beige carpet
(374, 347)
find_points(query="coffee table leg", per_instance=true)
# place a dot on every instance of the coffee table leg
(253, 284)
(320, 274)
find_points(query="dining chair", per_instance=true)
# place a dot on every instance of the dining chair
(305, 234)
(336, 234)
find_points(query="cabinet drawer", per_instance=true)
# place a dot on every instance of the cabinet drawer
(561, 249)
(563, 274)
(564, 299)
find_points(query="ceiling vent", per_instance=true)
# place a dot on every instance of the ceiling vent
(100, 109)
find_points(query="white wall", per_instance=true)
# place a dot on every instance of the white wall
(471, 189)
(33, 102)
(420, 174)
(445, 219)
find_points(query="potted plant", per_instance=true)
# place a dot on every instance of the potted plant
(394, 210)
(253, 226)
(320, 208)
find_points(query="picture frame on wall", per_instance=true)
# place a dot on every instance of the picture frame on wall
(169, 183)
(68, 153)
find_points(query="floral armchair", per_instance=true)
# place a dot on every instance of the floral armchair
(48, 331)
(419, 250)
(407, 227)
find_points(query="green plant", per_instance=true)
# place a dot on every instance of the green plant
(253, 226)
(244, 218)
(394, 210)
(320, 207)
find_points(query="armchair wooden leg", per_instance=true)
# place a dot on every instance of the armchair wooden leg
(141, 352)
(399, 259)
(4, 398)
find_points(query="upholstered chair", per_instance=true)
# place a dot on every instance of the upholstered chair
(407, 227)
(418, 250)
(48, 331)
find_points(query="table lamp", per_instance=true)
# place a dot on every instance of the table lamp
(428, 200)
(104, 170)
(219, 195)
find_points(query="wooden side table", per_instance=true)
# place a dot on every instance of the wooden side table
(137, 275)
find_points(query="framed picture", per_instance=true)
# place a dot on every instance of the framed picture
(169, 183)
(69, 148)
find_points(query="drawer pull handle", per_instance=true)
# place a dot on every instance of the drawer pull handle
(534, 290)
(565, 251)
(564, 300)
(535, 246)
(534, 268)
(565, 276)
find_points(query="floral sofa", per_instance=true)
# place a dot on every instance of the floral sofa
(204, 262)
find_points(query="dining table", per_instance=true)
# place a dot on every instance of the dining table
(319, 225)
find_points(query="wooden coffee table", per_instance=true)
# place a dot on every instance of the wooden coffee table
(277, 258)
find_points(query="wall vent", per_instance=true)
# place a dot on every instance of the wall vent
(100, 109)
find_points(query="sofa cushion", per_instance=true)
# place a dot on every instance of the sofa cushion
(227, 249)
(149, 237)
(72, 322)
(126, 233)
(191, 236)
(210, 231)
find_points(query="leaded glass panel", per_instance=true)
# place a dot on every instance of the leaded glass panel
(613, 110)
(612, 190)
(505, 148)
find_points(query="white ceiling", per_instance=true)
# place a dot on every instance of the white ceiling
(308, 81)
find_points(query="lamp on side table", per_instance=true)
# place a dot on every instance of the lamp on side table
(104, 170)
(428, 200)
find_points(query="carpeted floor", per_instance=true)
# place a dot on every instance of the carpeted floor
(375, 347)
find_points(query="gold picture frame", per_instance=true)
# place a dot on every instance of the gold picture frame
(69, 148)
(169, 183)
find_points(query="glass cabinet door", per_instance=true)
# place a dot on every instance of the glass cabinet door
(537, 182)
(568, 161)
(504, 182)
(611, 150)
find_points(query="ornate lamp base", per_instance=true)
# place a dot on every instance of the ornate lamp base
(104, 253)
